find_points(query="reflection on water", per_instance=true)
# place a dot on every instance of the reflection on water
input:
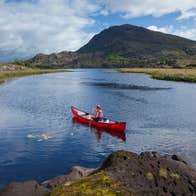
(160, 116)
(125, 96)
(124, 86)
(100, 131)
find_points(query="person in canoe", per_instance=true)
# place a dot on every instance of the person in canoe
(99, 113)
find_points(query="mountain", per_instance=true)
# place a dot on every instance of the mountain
(125, 46)
(133, 41)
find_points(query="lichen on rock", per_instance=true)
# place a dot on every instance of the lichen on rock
(122, 173)
(98, 184)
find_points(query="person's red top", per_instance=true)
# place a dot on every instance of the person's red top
(99, 113)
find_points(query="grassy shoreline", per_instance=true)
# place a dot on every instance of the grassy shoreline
(171, 74)
(7, 75)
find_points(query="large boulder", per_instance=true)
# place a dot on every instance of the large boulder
(151, 174)
(127, 173)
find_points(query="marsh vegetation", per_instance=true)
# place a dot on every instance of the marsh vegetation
(184, 74)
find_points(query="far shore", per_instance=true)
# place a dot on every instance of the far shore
(172, 74)
(8, 75)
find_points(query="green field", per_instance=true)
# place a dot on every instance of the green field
(7, 75)
(173, 74)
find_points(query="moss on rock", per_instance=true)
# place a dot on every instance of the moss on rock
(98, 184)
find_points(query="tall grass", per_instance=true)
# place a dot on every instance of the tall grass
(6, 75)
(173, 74)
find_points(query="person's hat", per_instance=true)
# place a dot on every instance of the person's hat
(98, 106)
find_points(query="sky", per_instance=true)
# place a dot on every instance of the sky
(29, 27)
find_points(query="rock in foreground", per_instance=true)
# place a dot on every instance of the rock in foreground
(124, 173)
(151, 174)
(11, 67)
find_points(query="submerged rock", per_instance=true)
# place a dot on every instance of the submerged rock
(76, 173)
(39, 137)
(122, 173)
(28, 188)
(33, 188)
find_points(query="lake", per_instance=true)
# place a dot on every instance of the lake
(40, 140)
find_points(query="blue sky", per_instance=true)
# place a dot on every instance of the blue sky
(28, 27)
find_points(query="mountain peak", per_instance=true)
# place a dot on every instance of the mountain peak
(128, 46)
(134, 41)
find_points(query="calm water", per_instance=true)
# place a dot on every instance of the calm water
(39, 140)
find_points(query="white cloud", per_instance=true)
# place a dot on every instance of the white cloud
(161, 29)
(182, 32)
(104, 12)
(187, 14)
(136, 8)
(44, 26)
(47, 26)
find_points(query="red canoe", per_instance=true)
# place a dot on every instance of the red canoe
(99, 131)
(87, 118)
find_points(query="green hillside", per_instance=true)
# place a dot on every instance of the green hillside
(124, 46)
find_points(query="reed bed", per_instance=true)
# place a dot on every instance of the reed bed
(173, 74)
(7, 75)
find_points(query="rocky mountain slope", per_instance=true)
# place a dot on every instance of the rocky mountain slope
(11, 67)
